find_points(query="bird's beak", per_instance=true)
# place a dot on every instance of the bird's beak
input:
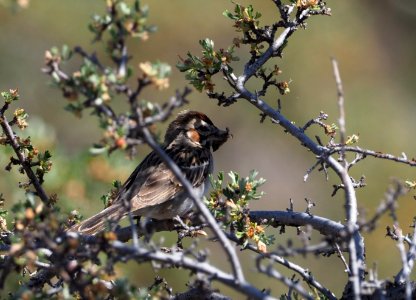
(219, 137)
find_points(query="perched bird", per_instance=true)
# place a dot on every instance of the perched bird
(152, 189)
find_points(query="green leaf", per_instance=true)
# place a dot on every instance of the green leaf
(75, 108)
(238, 9)
(207, 44)
(55, 51)
(162, 70)
(116, 184)
(124, 8)
(10, 96)
(47, 155)
(94, 79)
(229, 15)
(66, 52)
(105, 199)
(55, 77)
(137, 5)
(252, 175)
(98, 149)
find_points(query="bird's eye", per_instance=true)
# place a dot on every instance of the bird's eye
(202, 129)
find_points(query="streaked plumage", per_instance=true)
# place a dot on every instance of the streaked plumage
(152, 188)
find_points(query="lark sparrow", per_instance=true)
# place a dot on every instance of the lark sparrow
(154, 190)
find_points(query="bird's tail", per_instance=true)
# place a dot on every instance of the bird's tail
(96, 223)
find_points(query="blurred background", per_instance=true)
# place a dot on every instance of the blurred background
(375, 45)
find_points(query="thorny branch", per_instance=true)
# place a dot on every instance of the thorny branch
(11, 137)
(388, 204)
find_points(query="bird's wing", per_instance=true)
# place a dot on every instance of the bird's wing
(153, 183)
(160, 186)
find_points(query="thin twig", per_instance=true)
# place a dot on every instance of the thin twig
(341, 256)
(376, 154)
(8, 131)
(341, 108)
(388, 204)
(174, 102)
(310, 170)
(271, 272)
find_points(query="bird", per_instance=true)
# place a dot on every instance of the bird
(153, 191)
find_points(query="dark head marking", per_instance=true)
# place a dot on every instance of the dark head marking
(181, 121)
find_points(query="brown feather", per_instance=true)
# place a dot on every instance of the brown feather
(97, 223)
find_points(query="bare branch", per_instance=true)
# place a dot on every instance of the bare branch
(174, 102)
(341, 120)
(271, 272)
(389, 204)
(376, 154)
(327, 227)
(341, 256)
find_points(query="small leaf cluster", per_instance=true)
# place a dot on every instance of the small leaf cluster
(10, 96)
(306, 4)
(410, 184)
(199, 70)
(352, 139)
(29, 212)
(89, 80)
(269, 76)
(330, 129)
(122, 20)
(246, 21)
(245, 17)
(41, 161)
(158, 73)
(229, 203)
(34, 158)
(20, 118)
(107, 198)
(38, 227)
(34, 225)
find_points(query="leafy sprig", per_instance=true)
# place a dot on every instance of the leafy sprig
(27, 155)
(229, 202)
(245, 17)
(199, 70)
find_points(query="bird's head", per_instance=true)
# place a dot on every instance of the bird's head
(195, 129)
